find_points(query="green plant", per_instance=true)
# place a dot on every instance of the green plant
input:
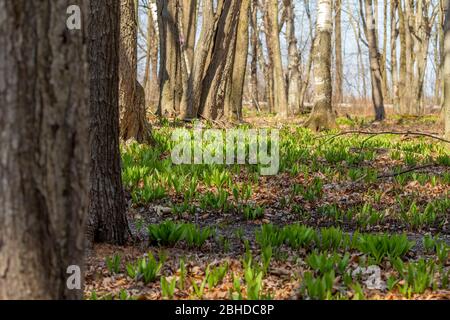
(166, 233)
(196, 236)
(324, 263)
(113, 263)
(442, 252)
(418, 276)
(168, 287)
(266, 256)
(252, 212)
(236, 291)
(199, 290)
(216, 275)
(391, 283)
(146, 269)
(384, 246)
(429, 243)
(298, 236)
(253, 281)
(331, 238)
(183, 274)
(320, 288)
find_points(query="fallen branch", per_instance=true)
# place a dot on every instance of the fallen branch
(392, 175)
(373, 134)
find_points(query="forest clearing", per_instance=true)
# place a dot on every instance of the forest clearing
(255, 150)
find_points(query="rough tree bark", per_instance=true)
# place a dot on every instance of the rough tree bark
(191, 99)
(107, 221)
(254, 63)
(221, 63)
(294, 77)
(235, 92)
(446, 71)
(394, 67)
(44, 162)
(374, 57)
(133, 118)
(338, 96)
(151, 78)
(273, 41)
(322, 115)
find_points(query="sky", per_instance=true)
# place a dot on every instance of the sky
(353, 82)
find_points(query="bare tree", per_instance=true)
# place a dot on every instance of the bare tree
(44, 142)
(254, 50)
(322, 115)
(133, 120)
(447, 72)
(273, 42)
(107, 221)
(339, 95)
(220, 67)
(293, 75)
(374, 57)
(235, 91)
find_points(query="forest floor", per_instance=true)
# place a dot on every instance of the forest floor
(348, 216)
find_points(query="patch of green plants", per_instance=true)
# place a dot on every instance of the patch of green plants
(168, 287)
(252, 212)
(167, 233)
(318, 288)
(379, 247)
(325, 262)
(195, 236)
(217, 274)
(113, 263)
(146, 269)
(418, 276)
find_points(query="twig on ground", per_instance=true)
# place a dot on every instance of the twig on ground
(373, 134)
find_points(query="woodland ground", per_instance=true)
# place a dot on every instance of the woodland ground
(340, 203)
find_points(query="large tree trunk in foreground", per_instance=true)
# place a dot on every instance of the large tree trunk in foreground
(133, 120)
(322, 115)
(446, 71)
(374, 57)
(44, 149)
(107, 221)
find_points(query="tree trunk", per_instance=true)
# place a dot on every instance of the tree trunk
(339, 96)
(44, 149)
(151, 80)
(383, 58)
(294, 78)
(279, 88)
(447, 72)
(374, 57)
(133, 118)
(221, 63)
(394, 67)
(254, 63)
(322, 115)
(107, 221)
(236, 86)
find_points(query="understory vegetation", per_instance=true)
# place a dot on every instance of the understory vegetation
(349, 216)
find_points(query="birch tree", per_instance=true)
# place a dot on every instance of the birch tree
(322, 115)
